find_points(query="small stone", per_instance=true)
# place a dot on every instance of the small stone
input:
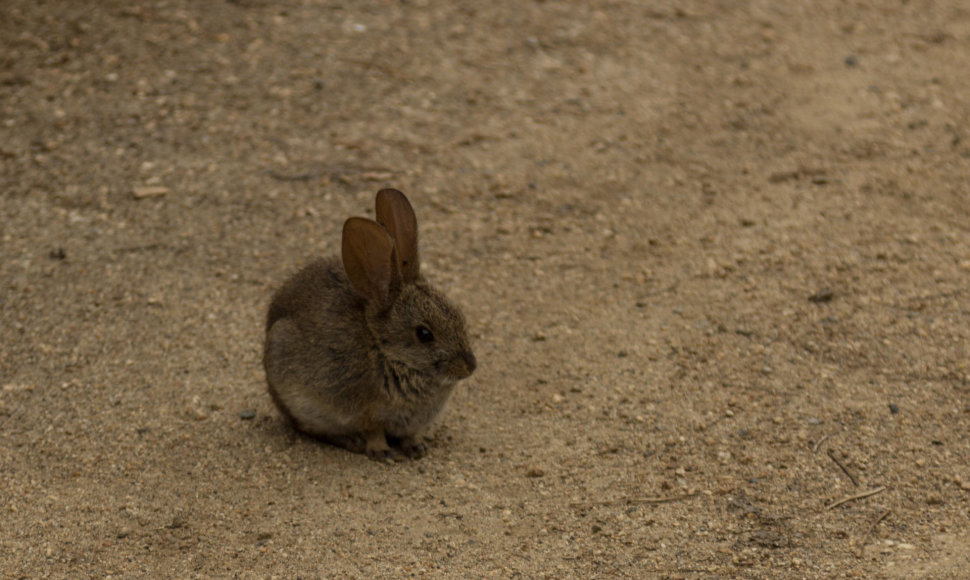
(903, 546)
(535, 472)
(893, 408)
(179, 521)
(197, 414)
(247, 415)
(196, 410)
(822, 296)
(149, 191)
(851, 60)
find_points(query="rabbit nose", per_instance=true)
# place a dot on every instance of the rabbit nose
(470, 361)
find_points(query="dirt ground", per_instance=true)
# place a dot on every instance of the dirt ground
(715, 256)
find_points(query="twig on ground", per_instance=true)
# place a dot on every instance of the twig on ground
(646, 500)
(633, 500)
(844, 469)
(339, 172)
(295, 177)
(872, 526)
(819, 443)
(862, 495)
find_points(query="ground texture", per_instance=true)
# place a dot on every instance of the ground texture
(715, 256)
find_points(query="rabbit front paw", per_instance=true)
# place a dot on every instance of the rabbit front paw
(413, 447)
(378, 449)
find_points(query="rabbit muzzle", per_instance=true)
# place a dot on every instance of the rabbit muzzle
(462, 366)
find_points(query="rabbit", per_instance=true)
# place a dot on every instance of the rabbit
(361, 352)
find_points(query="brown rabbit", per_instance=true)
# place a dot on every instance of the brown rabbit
(363, 352)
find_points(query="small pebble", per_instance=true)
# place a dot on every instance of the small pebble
(535, 472)
(893, 408)
(822, 296)
(149, 191)
(247, 414)
(903, 546)
(197, 413)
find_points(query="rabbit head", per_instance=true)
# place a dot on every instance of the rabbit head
(414, 325)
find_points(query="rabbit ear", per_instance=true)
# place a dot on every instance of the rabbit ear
(394, 212)
(370, 260)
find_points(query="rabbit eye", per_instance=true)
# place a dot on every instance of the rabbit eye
(424, 335)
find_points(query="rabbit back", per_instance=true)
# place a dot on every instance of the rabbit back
(319, 358)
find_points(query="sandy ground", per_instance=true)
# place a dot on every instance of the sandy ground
(715, 256)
